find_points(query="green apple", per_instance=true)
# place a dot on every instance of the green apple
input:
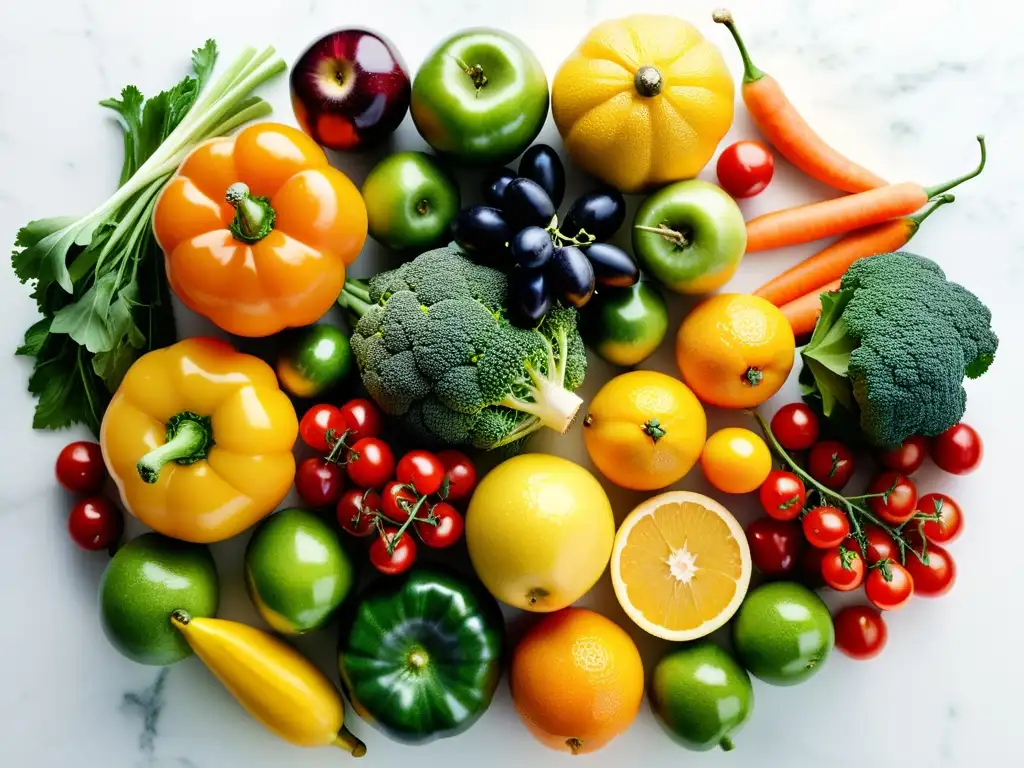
(481, 96)
(689, 236)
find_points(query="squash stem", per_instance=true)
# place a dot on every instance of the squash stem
(349, 742)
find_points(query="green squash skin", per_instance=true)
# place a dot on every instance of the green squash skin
(314, 359)
(296, 572)
(149, 578)
(421, 655)
(625, 325)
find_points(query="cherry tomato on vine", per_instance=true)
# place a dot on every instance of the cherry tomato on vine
(461, 474)
(745, 168)
(889, 586)
(860, 632)
(422, 470)
(831, 464)
(795, 426)
(80, 467)
(95, 524)
(901, 502)
(880, 545)
(399, 559)
(907, 457)
(775, 545)
(843, 569)
(936, 578)
(825, 527)
(448, 530)
(782, 495)
(810, 567)
(315, 423)
(357, 504)
(319, 482)
(950, 522)
(397, 500)
(360, 418)
(370, 462)
(958, 450)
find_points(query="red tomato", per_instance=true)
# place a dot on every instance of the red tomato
(774, 545)
(448, 529)
(461, 474)
(842, 568)
(958, 450)
(901, 502)
(397, 501)
(319, 482)
(795, 426)
(316, 422)
(745, 168)
(825, 527)
(889, 586)
(950, 522)
(860, 632)
(880, 545)
(810, 567)
(402, 554)
(95, 524)
(360, 418)
(370, 462)
(422, 470)
(936, 578)
(80, 467)
(906, 458)
(355, 511)
(782, 495)
(831, 464)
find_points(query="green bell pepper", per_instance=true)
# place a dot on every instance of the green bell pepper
(420, 655)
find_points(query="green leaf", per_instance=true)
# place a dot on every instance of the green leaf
(203, 61)
(27, 261)
(66, 388)
(86, 321)
(112, 365)
(129, 107)
(827, 354)
(35, 337)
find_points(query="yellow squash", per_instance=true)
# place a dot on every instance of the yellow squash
(275, 684)
(643, 101)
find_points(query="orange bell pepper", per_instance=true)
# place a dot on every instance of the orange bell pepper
(257, 230)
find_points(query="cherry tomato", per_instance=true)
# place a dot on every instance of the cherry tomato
(315, 423)
(95, 524)
(360, 418)
(319, 482)
(843, 569)
(355, 511)
(860, 632)
(745, 168)
(461, 474)
(80, 468)
(775, 545)
(810, 567)
(825, 527)
(782, 495)
(399, 559)
(936, 578)
(907, 457)
(958, 450)
(901, 502)
(397, 501)
(889, 586)
(880, 545)
(370, 462)
(422, 470)
(795, 426)
(448, 529)
(950, 522)
(831, 464)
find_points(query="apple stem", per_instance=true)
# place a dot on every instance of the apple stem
(672, 235)
(476, 74)
(254, 216)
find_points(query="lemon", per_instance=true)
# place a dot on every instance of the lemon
(539, 531)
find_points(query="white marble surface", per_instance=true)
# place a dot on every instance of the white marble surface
(903, 85)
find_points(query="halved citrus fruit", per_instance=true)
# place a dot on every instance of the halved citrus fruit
(680, 565)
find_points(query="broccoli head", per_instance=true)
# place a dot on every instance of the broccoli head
(892, 348)
(434, 347)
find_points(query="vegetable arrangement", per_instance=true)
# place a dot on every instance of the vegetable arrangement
(476, 341)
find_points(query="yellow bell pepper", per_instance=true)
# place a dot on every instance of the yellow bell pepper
(199, 439)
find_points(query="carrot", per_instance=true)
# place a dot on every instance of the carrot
(803, 313)
(782, 125)
(830, 264)
(814, 221)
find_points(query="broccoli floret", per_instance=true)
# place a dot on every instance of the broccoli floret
(893, 346)
(434, 347)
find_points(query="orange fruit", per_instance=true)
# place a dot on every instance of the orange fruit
(644, 430)
(680, 565)
(736, 460)
(735, 350)
(577, 680)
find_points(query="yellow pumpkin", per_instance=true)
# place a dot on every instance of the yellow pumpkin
(643, 101)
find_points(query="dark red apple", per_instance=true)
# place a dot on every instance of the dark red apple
(350, 89)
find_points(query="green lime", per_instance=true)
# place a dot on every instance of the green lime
(701, 696)
(296, 572)
(625, 325)
(783, 633)
(313, 360)
(148, 579)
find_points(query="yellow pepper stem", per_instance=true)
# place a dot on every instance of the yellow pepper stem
(189, 439)
(254, 216)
